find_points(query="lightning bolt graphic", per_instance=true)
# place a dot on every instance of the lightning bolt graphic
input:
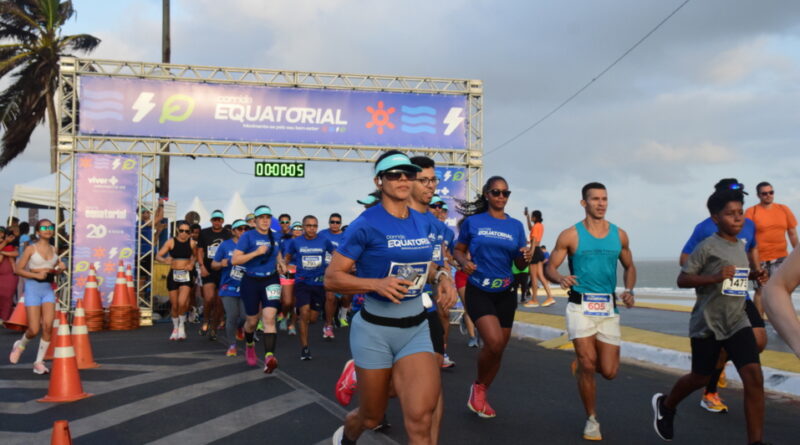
(453, 120)
(447, 175)
(143, 105)
(112, 253)
(115, 164)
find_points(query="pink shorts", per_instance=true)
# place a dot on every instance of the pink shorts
(461, 279)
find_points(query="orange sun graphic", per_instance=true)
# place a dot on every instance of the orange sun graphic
(380, 117)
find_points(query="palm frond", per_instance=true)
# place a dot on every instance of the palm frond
(79, 42)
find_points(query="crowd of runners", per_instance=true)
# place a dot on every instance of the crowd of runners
(394, 273)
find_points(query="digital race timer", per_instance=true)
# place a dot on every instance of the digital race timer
(280, 169)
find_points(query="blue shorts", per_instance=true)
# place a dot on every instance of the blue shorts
(380, 347)
(306, 294)
(37, 293)
(264, 291)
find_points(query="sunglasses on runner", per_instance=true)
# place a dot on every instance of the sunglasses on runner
(184, 231)
(334, 222)
(310, 225)
(285, 222)
(49, 228)
(394, 175)
(771, 192)
(436, 206)
(496, 193)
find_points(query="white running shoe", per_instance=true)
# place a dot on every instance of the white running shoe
(40, 368)
(181, 332)
(16, 352)
(592, 429)
(174, 335)
(337, 436)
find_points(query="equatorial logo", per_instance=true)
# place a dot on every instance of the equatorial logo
(177, 107)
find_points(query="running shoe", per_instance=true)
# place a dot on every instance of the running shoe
(174, 335)
(240, 334)
(231, 351)
(270, 363)
(531, 303)
(337, 436)
(16, 352)
(260, 326)
(203, 329)
(40, 368)
(383, 426)
(723, 380)
(282, 322)
(549, 302)
(292, 330)
(663, 417)
(712, 402)
(477, 401)
(462, 326)
(347, 383)
(473, 342)
(212, 334)
(192, 318)
(447, 363)
(305, 354)
(181, 332)
(327, 332)
(343, 322)
(250, 354)
(592, 429)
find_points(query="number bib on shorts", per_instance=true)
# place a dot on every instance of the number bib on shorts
(598, 305)
(211, 251)
(737, 286)
(312, 261)
(273, 292)
(417, 273)
(237, 272)
(181, 276)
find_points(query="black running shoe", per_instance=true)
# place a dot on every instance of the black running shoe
(383, 426)
(305, 354)
(662, 417)
(212, 334)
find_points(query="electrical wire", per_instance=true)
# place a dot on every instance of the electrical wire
(588, 84)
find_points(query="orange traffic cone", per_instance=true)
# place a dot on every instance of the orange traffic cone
(134, 302)
(65, 382)
(60, 434)
(93, 303)
(119, 311)
(51, 349)
(19, 318)
(80, 339)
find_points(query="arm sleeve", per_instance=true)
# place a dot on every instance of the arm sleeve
(244, 243)
(791, 222)
(696, 260)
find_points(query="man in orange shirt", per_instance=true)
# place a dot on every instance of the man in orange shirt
(773, 223)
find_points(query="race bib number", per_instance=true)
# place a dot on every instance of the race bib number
(312, 261)
(237, 273)
(416, 273)
(328, 257)
(437, 253)
(598, 305)
(211, 251)
(736, 286)
(181, 276)
(273, 292)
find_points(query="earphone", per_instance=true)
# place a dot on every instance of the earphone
(380, 182)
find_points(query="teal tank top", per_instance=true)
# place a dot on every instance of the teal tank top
(595, 262)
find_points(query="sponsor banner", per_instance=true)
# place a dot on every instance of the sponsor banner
(193, 110)
(452, 185)
(106, 187)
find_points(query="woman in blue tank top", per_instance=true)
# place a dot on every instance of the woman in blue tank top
(493, 240)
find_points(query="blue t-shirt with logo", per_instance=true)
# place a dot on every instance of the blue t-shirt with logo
(261, 265)
(335, 238)
(309, 255)
(493, 244)
(232, 275)
(283, 245)
(707, 227)
(383, 245)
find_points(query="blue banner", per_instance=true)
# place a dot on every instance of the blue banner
(192, 110)
(104, 232)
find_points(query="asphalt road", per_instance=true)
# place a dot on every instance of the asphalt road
(151, 390)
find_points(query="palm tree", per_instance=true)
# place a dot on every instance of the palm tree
(30, 46)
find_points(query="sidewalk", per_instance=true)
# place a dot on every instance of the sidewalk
(657, 334)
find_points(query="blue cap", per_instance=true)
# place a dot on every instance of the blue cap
(262, 210)
(297, 225)
(369, 200)
(444, 206)
(217, 214)
(435, 200)
(238, 223)
(396, 161)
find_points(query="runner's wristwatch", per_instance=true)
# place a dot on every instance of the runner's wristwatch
(630, 291)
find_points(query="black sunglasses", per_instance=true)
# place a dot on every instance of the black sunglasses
(395, 175)
(771, 192)
(285, 222)
(436, 206)
(184, 231)
(334, 222)
(496, 193)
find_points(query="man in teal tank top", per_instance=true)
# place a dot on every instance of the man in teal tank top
(593, 246)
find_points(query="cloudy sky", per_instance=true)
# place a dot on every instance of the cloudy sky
(713, 93)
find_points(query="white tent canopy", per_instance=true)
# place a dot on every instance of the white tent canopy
(236, 209)
(39, 193)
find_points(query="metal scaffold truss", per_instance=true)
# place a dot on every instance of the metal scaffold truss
(149, 149)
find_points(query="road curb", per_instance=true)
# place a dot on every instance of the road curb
(774, 379)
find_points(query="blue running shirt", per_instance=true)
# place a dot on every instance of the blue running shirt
(261, 265)
(707, 227)
(335, 239)
(310, 256)
(383, 245)
(493, 244)
(231, 275)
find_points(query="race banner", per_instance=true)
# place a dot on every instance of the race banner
(106, 188)
(192, 110)
(452, 186)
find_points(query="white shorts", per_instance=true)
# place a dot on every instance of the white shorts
(605, 328)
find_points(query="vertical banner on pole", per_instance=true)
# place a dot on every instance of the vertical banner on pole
(106, 190)
(452, 185)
